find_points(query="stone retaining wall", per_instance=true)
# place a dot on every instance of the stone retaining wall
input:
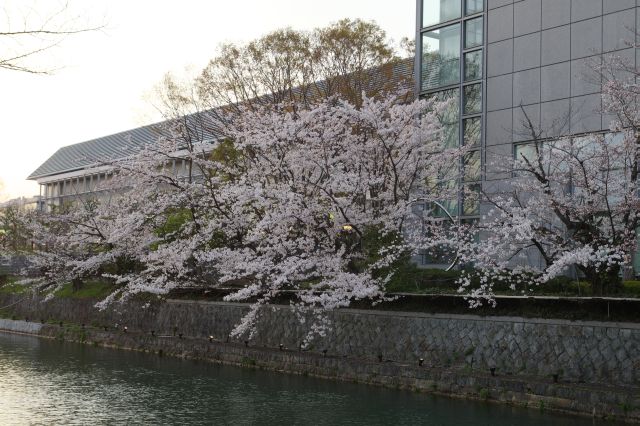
(586, 352)
(20, 326)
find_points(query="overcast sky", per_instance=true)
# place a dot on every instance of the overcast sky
(101, 88)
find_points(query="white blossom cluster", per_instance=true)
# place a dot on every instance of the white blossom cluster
(283, 203)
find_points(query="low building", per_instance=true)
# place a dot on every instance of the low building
(23, 203)
(84, 169)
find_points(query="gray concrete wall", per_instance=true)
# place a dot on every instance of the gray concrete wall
(538, 55)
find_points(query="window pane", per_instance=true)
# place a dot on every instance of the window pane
(472, 127)
(449, 202)
(473, 32)
(524, 152)
(473, 6)
(437, 11)
(450, 116)
(473, 99)
(471, 200)
(450, 207)
(472, 166)
(614, 139)
(451, 113)
(441, 57)
(473, 65)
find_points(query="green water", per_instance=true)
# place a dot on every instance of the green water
(50, 382)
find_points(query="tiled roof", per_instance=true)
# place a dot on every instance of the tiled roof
(124, 144)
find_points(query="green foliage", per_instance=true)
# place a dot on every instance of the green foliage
(411, 279)
(371, 244)
(631, 288)
(91, 289)
(174, 221)
(407, 277)
(484, 393)
(567, 287)
(13, 234)
(226, 153)
(246, 361)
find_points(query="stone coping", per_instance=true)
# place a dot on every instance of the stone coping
(404, 314)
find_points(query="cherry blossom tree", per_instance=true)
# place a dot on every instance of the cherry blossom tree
(288, 200)
(572, 204)
(565, 205)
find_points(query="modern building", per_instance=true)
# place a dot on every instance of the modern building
(499, 60)
(84, 169)
(504, 60)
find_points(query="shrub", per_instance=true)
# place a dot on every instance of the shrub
(631, 288)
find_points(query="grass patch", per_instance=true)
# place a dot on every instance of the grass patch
(8, 285)
(631, 288)
(91, 289)
(411, 279)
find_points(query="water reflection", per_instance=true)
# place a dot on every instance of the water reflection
(48, 382)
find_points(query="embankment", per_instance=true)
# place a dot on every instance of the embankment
(571, 366)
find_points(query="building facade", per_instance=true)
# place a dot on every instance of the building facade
(510, 65)
(23, 203)
(85, 169)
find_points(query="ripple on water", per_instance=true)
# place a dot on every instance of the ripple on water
(50, 382)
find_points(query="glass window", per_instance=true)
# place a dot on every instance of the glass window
(473, 32)
(449, 202)
(524, 152)
(451, 207)
(472, 166)
(472, 127)
(471, 200)
(473, 6)
(450, 116)
(437, 11)
(473, 99)
(452, 96)
(441, 57)
(473, 65)
(450, 135)
(614, 139)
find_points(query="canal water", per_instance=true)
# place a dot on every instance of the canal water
(50, 382)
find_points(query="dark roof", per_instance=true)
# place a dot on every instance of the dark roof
(97, 151)
(107, 149)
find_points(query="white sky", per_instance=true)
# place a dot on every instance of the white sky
(100, 89)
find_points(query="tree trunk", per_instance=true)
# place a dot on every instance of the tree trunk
(76, 284)
(627, 273)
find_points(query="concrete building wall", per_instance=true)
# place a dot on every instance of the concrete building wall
(538, 63)
(94, 182)
(540, 58)
(537, 71)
